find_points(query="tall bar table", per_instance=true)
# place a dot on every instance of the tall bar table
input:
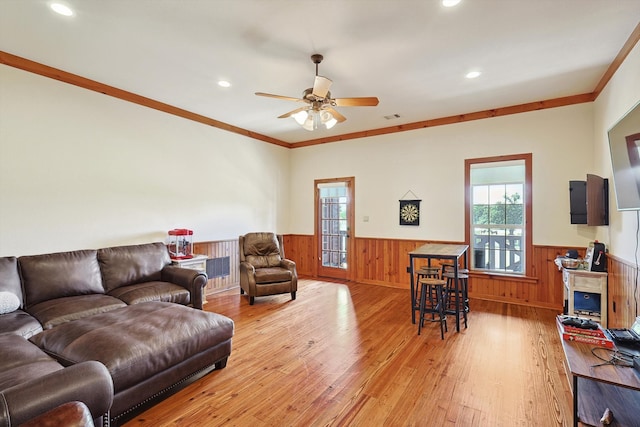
(442, 251)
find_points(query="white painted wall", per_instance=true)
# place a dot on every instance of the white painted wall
(79, 169)
(430, 163)
(82, 170)
(618, 97)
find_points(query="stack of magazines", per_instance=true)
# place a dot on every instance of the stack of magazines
(583, 330)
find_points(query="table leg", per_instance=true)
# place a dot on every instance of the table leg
(413, 297)
(456, 285)
(575, 401)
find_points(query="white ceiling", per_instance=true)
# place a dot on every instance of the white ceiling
(411, 54)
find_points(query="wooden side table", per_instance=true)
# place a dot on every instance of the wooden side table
(596, 388)
(586, 283)
(198, 263)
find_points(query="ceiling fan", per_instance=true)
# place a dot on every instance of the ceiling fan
(320, 106)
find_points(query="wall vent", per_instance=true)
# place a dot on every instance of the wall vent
(218, 267)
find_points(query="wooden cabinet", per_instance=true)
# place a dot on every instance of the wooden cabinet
(589, 201)
(585, 294)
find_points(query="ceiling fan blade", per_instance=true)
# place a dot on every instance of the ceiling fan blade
(370, 101)
(291, 113)
(339, 117)
(286, 98)
(321, 86)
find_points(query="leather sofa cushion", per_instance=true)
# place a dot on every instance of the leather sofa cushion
(127, 265)
(272, 275)
(19, 323)
(61, 310)
(21, 361)
(152, 291)
(10, 278)
(137, 341)
(262, 250)
(64, 274)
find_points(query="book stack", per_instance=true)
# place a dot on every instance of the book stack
(583, 330)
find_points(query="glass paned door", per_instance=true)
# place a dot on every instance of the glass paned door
(333, 200)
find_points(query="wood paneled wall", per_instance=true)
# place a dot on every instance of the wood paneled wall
(623, 293)
(385, 261)
(220, 249)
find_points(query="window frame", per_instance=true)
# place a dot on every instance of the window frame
(528, 209)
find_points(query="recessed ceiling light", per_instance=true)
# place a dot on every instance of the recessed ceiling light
(61, 9)
(224, 83)
(450, 3)
(473, 74)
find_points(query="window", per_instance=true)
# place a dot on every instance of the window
(498, 201)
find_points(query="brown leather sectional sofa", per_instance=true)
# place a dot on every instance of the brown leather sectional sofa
(116, 328)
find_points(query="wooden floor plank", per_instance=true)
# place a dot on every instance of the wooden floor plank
(348, 355)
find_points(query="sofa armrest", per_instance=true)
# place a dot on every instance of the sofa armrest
(87, 382)
(71, 414)
(192, 280)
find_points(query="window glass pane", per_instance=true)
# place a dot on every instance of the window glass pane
(333, 211)
(481, 214)
(497, 214)
(515, 214)
(496, 194)
(481, 194)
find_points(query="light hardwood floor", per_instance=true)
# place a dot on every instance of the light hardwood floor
(348, 355)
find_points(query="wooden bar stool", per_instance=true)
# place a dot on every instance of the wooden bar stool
(425, 272)
(462, 308)
(433, 286)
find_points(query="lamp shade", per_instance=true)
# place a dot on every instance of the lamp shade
(312, 119)
(300, 117)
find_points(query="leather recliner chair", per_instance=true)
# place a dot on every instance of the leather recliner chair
(264, 270)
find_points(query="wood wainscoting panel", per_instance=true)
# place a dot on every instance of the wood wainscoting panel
(624, 298)
(385, 261)
(381, 261)
(299, 248)
(218, 249)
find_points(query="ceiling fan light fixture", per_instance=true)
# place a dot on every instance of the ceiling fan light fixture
(327, 119)
(310, 122)
(300, 117)
(311, 119)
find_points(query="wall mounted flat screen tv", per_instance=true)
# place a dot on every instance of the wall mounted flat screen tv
(624, 145)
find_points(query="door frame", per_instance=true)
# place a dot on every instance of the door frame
(351, 190)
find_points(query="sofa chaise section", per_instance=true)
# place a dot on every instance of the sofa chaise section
(126, 309)
(147, 347)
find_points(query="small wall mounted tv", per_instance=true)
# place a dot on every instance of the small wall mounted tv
(624, 145)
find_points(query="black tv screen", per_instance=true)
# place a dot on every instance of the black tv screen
(624, 145)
